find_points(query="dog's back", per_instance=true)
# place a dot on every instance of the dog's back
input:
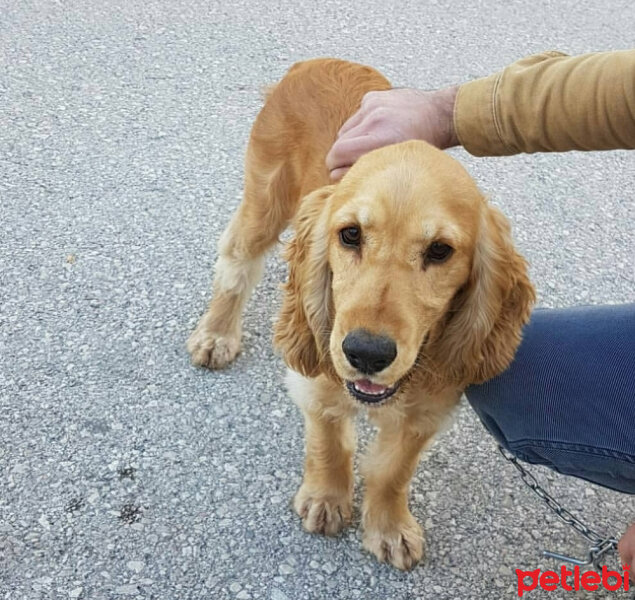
(301, 117)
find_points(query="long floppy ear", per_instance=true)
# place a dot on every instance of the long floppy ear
(303, 327)
(480, 339)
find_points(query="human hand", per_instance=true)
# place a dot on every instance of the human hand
(626, 548)
(394, 116)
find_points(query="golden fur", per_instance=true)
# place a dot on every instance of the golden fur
(454, 323)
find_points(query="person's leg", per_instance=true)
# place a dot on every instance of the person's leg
(568, 399)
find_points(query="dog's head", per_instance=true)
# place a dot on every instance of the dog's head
(400, 269)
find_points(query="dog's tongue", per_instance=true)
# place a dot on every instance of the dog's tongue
(368, 387)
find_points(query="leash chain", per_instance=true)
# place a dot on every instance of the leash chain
(601, 546)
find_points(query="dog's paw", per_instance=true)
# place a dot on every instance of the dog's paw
(212, 350)
(400, 544)
(323, 512)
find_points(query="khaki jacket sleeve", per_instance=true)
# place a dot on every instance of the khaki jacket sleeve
(550, 102)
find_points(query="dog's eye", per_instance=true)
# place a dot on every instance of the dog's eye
(351, 236)
(438, 252)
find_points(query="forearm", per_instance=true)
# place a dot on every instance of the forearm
(550, 102)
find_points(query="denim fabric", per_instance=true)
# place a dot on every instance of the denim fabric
(568, 399)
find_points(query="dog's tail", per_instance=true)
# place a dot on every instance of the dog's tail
(267, 90)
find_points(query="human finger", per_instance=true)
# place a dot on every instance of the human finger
(354, 121)
(337, 174)
(346, 151)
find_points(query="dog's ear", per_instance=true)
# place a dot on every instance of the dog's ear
(303, 327)
(486, 318)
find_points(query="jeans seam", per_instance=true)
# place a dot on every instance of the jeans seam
(575, 448)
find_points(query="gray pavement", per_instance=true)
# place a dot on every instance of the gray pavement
(124, 471)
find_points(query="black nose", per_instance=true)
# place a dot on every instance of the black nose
(368, 353)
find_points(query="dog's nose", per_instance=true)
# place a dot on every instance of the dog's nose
(369, 353)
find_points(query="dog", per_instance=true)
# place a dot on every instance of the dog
(404, 287)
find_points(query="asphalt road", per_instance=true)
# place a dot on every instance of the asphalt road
(124, 471)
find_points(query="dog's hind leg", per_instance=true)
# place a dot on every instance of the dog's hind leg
(257, 224)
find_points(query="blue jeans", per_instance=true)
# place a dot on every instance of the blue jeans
(568, 399)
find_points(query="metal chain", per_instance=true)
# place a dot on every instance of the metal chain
(601, 546)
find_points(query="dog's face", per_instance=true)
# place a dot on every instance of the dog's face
(401, 267)
(401, 239)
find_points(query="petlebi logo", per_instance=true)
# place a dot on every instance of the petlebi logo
(574, 580)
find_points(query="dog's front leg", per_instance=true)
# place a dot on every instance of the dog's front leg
(324, 500)
(390, 530)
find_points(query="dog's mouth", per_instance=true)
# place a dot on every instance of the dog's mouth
(370, 393)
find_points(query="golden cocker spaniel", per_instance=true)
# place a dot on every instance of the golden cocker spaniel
(404, 287)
